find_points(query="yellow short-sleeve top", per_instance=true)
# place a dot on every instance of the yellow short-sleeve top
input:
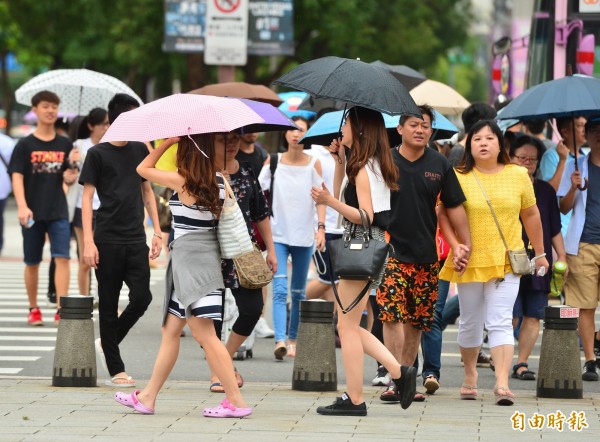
(509, 191)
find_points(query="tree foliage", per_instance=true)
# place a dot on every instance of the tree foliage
(123, 38)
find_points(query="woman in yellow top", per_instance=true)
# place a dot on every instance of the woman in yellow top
(487, 287)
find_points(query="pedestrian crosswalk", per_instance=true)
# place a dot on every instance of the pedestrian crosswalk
(22, 347)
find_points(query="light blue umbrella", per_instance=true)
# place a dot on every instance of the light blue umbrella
(326, 128)
(291, 101)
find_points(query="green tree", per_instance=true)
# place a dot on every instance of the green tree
(410, 32)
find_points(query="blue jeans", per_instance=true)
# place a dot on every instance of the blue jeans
(2, 207)
(431, 341)
(300, 263)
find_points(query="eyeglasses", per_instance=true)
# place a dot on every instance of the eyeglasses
(526, 159)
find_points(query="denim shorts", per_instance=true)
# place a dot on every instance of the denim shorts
(530, 303)
(59, 232)
(321, 260)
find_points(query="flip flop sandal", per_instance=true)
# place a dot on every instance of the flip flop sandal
(239, 378)
(468, 392)
(131, 401)
(291, 350)
(216, 387)
(419, 397)
(390, 395)
(227, 409)
(507, 398)
(280, 352)
(112, 382)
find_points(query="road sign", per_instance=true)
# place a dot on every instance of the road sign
(226, 32)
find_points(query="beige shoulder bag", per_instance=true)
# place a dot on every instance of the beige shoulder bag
(519, 261)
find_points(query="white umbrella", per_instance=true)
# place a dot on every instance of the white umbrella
(439, 96)
(79, 90)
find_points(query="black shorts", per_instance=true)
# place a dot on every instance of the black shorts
(77, 222)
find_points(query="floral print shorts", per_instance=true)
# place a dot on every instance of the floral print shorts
(408, 293)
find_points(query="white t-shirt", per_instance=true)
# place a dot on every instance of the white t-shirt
(7, 145)
(293, 207)
(328, 172)
(84, 146)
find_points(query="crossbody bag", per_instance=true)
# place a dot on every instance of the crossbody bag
(519, 261)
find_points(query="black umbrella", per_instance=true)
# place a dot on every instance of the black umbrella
(407, 75)
(352, 82)
(318, 104)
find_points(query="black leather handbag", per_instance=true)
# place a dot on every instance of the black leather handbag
(356, 256)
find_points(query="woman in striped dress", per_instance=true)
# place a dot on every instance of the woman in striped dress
(194, 278)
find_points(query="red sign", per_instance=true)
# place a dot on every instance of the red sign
(570, 312)
(227, 5)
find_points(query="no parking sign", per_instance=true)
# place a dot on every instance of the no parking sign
(226, 32)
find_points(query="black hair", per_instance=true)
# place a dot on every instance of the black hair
(523, 140)
(467, 162)
(94, 118)
(48, 96)
(592, 121)
(294, 118)
(565, 123)
(536, 127)
(476, 112)
(425, 110)
(120, 103)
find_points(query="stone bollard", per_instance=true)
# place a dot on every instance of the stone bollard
(75, 355)
(559, 374)
(314, 365)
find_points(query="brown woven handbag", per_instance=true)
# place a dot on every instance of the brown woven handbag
(252, 269)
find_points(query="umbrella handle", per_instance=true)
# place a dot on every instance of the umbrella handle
(582, 188)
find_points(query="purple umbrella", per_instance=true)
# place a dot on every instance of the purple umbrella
(275, 120)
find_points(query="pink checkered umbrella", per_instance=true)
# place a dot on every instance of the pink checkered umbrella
(179, 115)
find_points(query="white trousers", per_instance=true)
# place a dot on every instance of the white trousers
(488, 304)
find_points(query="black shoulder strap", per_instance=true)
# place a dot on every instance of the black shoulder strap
(4, 161)
(272, 167)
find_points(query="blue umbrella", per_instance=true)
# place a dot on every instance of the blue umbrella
(570, 96)
(291, 102)
(327, 127)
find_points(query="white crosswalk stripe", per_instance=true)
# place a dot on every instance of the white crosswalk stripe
(22, 344)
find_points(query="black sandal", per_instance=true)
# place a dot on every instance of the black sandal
(525, 375)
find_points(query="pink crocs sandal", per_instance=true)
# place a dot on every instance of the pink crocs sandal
(131, 401)
(227, 409)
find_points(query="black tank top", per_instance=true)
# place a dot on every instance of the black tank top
(381, 218)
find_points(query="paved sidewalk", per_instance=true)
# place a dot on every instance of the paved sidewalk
(33, 410)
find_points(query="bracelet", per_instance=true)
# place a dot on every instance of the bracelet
(535, 258)
(321, 226)
(158, 236)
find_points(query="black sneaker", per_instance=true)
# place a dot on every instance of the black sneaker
(590, 371)
(343, 406)
(597, 348)
(406, 386)
(51, 298)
